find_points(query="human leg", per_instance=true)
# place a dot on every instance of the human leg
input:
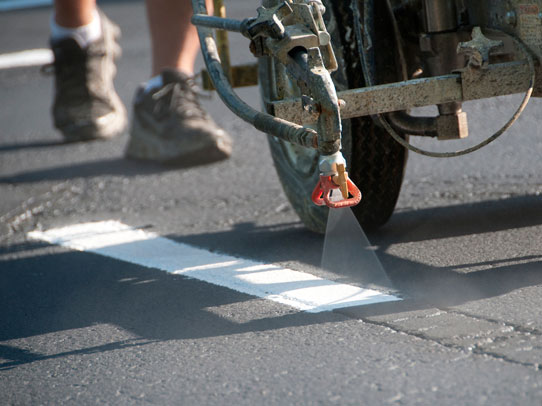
(169, 124)
(72, 14)
(174, 39)
(83, 41)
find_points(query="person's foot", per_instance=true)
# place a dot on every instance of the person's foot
(86, 105)
(170, 127)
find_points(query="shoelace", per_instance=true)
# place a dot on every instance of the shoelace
(182, 97)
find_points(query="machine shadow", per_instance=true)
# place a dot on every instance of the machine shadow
(31, 145)
(48, 293)
(421, 285)
(427, 286)
(460, 220)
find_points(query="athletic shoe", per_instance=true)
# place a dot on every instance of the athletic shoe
(86, 105)
(170, 127)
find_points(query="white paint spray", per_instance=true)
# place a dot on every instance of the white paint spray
(347, 251)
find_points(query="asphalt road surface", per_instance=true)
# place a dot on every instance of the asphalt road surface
(464, 249)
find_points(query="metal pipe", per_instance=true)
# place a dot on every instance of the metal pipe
(407, 124)
(440, 15)
(264, 122)
(218, 23)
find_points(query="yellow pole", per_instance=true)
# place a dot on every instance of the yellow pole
(222, 39)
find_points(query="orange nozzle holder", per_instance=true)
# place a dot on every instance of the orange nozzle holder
(321, 196)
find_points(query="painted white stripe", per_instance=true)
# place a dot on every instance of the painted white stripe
(297, 289)
(26, 58)
(7, 5)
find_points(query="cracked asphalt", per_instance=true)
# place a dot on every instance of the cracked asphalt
(463, 248)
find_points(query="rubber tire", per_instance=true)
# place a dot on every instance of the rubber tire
(377, 162)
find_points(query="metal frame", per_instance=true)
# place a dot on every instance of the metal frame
(513, 77)
(293, 32)
(469, 84)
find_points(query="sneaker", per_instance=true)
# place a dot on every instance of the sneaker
(170, 127)
(86, 106)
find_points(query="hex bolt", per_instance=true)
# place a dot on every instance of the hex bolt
(324, 38)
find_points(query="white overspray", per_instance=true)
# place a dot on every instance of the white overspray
(347, 251)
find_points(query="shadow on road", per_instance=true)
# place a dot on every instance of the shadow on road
(103, 167)
(463, 219)
(420, 284)
(31, 145)
(44, 293)
(441, 286)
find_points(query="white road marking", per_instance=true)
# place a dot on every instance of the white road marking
(297, 289)
(30, 57)
(7, 5)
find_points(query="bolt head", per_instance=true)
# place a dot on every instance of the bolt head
(452, 126)
(324, 38)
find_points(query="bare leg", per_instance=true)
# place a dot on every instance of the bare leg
(174, 39)
(74, 13)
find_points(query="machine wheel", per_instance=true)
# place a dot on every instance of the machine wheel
(376, 162)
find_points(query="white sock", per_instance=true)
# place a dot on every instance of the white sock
(154, 83)
(84, 35)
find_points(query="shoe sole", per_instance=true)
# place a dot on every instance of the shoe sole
(143, 147)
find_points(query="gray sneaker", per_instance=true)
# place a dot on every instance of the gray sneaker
(86, 106)
(170, 127)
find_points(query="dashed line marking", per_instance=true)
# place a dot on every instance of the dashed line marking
(297, 289)
(30, 57)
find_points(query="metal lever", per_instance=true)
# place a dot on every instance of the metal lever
(479, 48)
